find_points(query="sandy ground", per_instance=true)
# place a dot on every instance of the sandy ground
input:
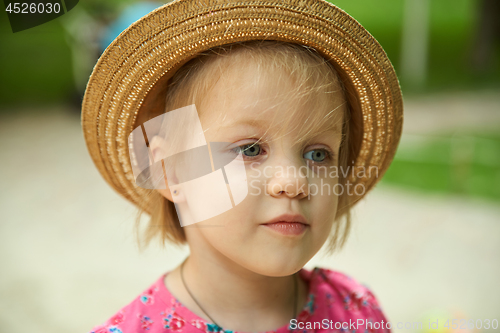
(69, 259)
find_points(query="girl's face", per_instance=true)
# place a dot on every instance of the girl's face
(284, 177)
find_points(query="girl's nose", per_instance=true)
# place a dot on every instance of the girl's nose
(288, 181)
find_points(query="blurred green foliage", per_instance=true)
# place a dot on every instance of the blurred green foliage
(452, 29)
(37, 64)
(37, 68)
(465, 164)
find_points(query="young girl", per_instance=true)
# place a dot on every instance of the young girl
(247, 130)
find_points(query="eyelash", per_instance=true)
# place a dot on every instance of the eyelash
(237, 149)
(329, 154)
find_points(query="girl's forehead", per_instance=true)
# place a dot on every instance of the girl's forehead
(271, 101)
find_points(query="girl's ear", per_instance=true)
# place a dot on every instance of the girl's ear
(177, 194)
(157, 146)
(173, 192)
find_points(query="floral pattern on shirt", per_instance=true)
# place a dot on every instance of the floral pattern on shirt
(332, 295)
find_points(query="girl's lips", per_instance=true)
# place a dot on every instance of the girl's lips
(287, 228)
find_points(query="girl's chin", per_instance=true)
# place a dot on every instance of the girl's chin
(277, 266)
(279, 272)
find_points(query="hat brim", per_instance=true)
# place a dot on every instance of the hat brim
(127, 85)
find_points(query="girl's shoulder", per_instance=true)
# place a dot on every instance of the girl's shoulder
(155, 310)
(145, 313)
(336, 281)
(341, 299)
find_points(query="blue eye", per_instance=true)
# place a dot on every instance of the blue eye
(249, 150)
(316, 155)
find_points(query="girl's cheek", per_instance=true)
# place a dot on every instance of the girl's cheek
(255, 179)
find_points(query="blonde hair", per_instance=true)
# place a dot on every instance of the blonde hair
(313, 77)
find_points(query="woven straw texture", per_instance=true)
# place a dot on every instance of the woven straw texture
(129, 76)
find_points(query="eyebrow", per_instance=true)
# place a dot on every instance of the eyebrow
(261, 124)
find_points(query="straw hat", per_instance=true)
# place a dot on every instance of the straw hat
(127, 85)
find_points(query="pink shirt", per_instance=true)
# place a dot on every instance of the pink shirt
(335, 303)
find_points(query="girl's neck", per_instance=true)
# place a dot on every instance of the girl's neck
(235, 297)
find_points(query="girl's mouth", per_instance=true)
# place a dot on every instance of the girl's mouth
(287, 228)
